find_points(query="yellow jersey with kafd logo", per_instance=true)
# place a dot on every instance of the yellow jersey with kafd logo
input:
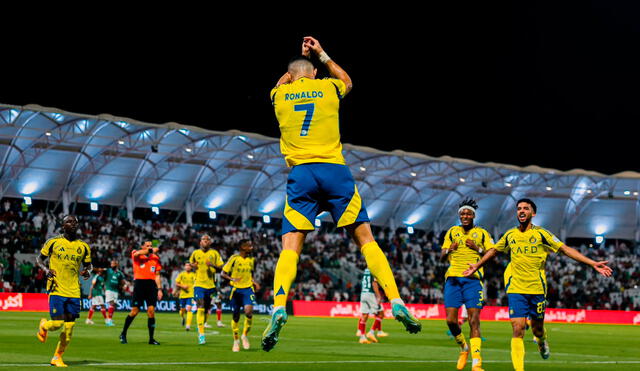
(189, 279)
(65, 259)
(241, 268)
(529, 250)
(462, 256)
(307, 111)
(205, 275)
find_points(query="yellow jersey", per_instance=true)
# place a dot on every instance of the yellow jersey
(189, 279)
(462, 256)
(307, 111)
(65, 258)
(205, 275)
(242, 268)
(529, 250)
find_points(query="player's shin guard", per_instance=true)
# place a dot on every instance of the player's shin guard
(284, 276)
(248, 321)
(380, 269)
(189, 318)
(151, 325)
(235, 328)
(53, 325)
(65, 338)
(103, 310)
(112, 308)
(219, 313)
(90, 315)
(517, 354)
(200, 320)
(476, 359)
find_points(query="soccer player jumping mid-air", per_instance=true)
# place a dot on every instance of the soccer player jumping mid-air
(529, 246)
(307, 112)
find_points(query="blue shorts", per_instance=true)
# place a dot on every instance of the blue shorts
(60, 305)
(314, 188)
(527, 305)
(463, 290)
(202, 293)
(185, 301)
(241, 297)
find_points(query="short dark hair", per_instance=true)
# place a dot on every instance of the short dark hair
(244, 242)
(533, 204)
(469, 202)
(300, 58)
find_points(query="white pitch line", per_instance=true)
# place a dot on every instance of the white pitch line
(305, 362)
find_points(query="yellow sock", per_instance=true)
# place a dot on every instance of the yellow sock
(235, 327)
(476, 344)
(462, 341)
(189, 318)
(65, 338)
(284, 276)
(380, 269)
(517, 353)
(200, 320)
(247, 325)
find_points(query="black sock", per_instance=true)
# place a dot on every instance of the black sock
(151, 324)
(127, 323)
(455, 329)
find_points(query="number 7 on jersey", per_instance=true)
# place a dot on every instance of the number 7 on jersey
(309, 108)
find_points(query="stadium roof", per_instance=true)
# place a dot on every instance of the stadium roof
(46, 151)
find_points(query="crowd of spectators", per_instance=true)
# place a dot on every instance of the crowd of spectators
(329, 268)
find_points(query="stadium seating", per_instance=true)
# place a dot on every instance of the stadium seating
(329, 266)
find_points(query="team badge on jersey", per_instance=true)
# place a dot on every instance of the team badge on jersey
(474, 235)
(533, 240)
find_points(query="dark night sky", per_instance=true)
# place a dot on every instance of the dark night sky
(554, 85)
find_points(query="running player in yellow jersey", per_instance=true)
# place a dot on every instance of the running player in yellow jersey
(307, 112)
(529, 246)
(184, 285)
(462, 245)
(239, 270)
(66, 253)
(205, 261)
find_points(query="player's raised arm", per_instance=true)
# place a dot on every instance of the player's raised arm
(334, 69)
(285, 79)
(600, 266)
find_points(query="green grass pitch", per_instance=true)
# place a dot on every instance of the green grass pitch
(309, 344)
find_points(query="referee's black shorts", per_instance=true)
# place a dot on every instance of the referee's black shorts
(144, 291)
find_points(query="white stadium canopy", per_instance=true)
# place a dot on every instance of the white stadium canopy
(54, 155)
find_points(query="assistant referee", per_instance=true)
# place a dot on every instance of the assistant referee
(147, 288)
